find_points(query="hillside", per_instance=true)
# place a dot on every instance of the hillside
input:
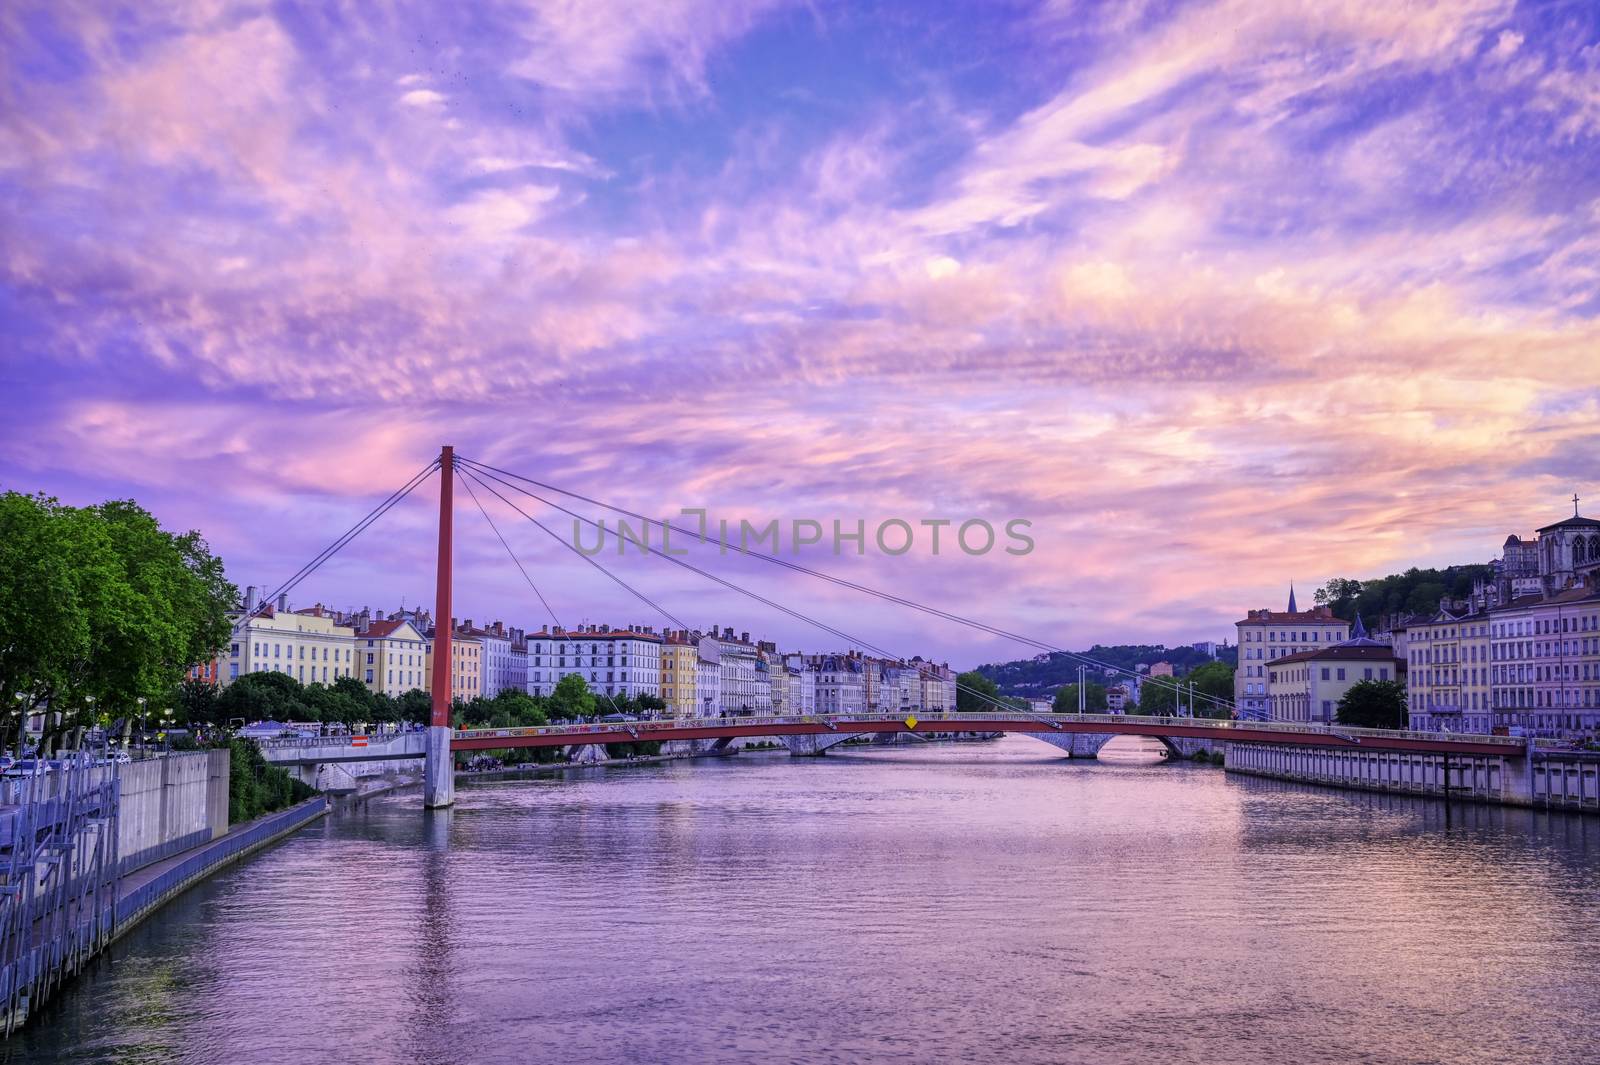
(1041, 676)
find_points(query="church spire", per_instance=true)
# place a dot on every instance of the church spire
(1360, 631)
(1292, 609)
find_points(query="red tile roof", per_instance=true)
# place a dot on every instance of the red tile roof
(1299, 617)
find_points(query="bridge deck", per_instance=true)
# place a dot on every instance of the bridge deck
(1172, 727)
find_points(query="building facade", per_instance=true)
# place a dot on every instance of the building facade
(679, 672)
(1267, 635)
(466, 666)
(392, 657)
(1447, 673)
(1545, 663)
(308, 646)
(839, 685)
(740, 691)
(708, 676)
(1306, 686)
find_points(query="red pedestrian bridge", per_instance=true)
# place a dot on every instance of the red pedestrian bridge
(1043, 726)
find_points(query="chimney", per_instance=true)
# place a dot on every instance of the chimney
(250, 598)
(283, 602)
(744, 637)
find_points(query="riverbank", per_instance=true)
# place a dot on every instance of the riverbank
(140, 893)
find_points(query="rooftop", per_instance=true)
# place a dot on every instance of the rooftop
(1362, 651)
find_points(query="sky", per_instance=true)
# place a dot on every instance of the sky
(1216, 295)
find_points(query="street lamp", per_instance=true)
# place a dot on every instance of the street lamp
(141, 701)
(22, 698)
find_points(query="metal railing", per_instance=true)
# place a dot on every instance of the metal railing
(841, 723)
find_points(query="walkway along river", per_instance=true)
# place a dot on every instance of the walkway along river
(954, 903)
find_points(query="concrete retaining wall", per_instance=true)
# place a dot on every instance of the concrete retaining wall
(1566, 781)
(171, 804)
(1477, 777)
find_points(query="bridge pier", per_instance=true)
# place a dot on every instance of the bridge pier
(815, 746)
(1076, 744)
(439, 771)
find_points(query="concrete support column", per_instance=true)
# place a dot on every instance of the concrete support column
(439, 771)
(1516, 780)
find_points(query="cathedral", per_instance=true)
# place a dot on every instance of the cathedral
(1564, 555)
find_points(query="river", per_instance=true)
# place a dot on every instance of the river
(951, 903)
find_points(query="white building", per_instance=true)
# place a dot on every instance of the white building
(708, 678)
(499, 668)
(802, 685)
(840, 686)
(741, 690)
(615, 662)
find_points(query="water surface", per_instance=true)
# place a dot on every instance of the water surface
(988, 902)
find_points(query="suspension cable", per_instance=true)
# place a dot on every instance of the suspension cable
(847, 637)
(548, 609)
(840, 581)
(338, 545)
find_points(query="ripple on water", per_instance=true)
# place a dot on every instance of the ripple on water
(991, 902)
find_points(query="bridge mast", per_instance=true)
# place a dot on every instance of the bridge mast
(439, 778)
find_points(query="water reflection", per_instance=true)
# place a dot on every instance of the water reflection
(974, 902)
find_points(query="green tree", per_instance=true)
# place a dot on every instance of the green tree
(265, 696)
(1094, 698)
(1373, 704)
(1339, 593)
(101, 604)
(1214, 679)
(571, 699)
(1161, 695)
(415, 706)
(195, 702)
(974, 693)
(256, 787)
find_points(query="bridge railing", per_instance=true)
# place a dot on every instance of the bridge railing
(1112, 722)
(340, 739)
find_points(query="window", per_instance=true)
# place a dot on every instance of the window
(235, 651)
(1324, 672)
(1341, 673)
(369, 676)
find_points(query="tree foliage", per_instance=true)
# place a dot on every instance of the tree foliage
(256, 787)
(1416, 591)
(273, 696)
(972, 687)
(1373, 704)
(1045, 674)
(1094, 696)
(1164, 695)
(100, 606)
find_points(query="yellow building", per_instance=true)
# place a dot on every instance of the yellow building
(680, 662)
(392, 657)
(1307, 686)
(1448, 673)
(1265, 635)
(466, 667)
(305, 644)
